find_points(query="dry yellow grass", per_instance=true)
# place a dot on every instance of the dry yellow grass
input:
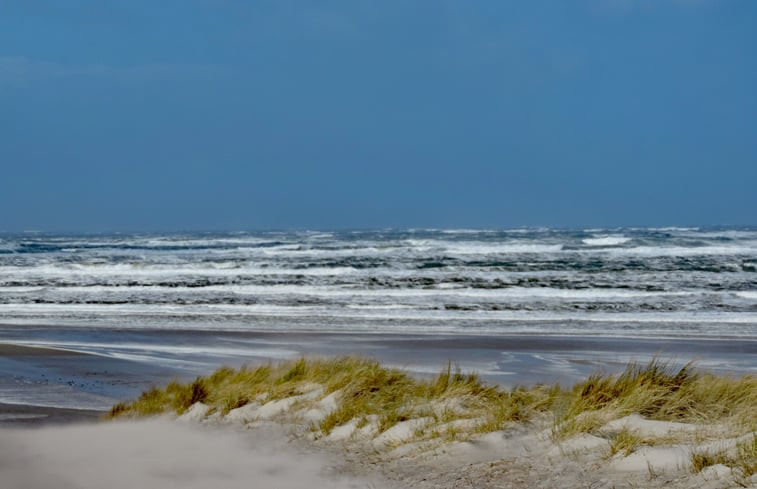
(366, 388)
(742, 459)
(175, 397)
(625, 442)
(659, 391)
(369, 391)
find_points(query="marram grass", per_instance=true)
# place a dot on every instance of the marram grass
(742, 459)
(366, 388)
(659, 391)
(368, 391)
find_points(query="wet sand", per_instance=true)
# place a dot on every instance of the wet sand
(59, 384)
(13, 350)
(107, 366)
(24, 415)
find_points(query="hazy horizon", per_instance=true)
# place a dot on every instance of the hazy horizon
(177, 231)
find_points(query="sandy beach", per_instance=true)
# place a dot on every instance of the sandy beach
(378, 245)
(273, 443)
(165, 454)
(162, 454)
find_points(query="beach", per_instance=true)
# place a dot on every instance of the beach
(92, 322)
(278, 448)
(54, 377)
(273, 442)
(378, 245)
(166, 454)
(161, 454)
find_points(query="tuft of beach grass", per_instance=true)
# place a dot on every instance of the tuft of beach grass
(366, 388)
(742, 459)
(457, 406)
(660, 391)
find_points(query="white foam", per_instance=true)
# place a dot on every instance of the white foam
(606, 240)
(162, 271)
(506, 248)
(21, 290)
(144, 315)
(98, 243)
(666, 251)
(464, 231)
(727, 234)
(300, 251)
(305, 292)
(668, 228)
(482, 247)
(194, 243)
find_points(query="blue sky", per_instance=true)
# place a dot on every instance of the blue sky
(212, 114)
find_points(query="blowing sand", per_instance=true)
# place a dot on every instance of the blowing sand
(168, 453)
(298, 425)
(160, 453)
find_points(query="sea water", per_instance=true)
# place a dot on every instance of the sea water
(522, 305)
(632, 282)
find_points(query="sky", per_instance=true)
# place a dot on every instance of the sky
(240, 115)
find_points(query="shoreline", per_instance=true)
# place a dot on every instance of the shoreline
(65, 368)
(50, 383)
(265, 331)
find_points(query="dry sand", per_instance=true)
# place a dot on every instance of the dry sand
(160, 453)
(268, 444)
(165, 453)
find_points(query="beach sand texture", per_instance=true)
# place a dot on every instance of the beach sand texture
(446, 432)
(291, 431)
(161, 454)
(256, 433)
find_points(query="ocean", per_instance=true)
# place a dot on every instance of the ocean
(193, 300)
(637, 282)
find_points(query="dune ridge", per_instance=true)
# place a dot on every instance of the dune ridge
(653, 423)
